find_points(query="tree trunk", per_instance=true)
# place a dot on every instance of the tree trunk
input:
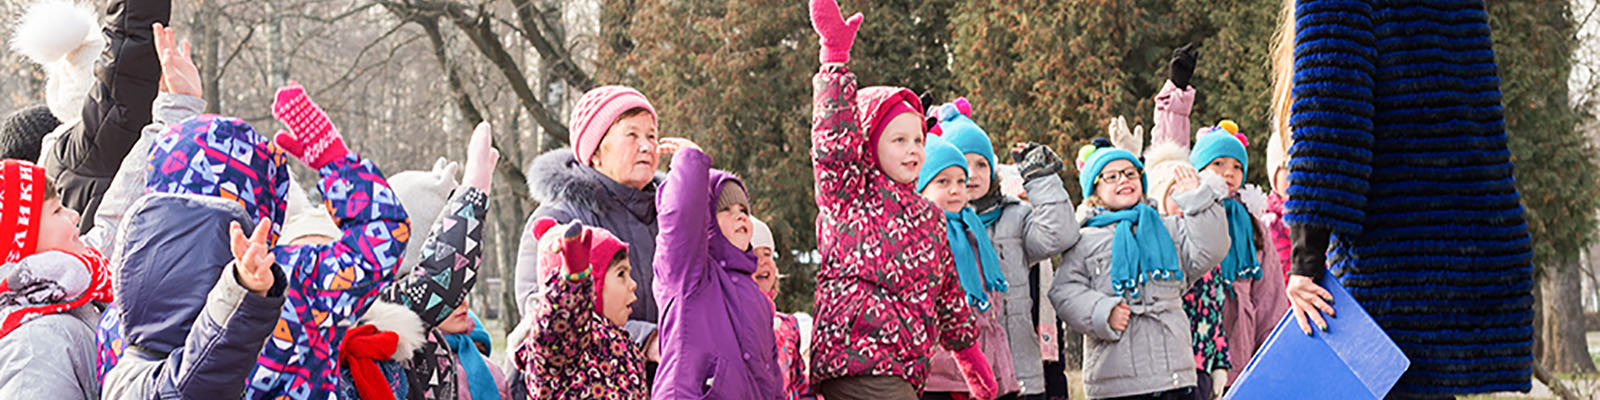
(1561, 344)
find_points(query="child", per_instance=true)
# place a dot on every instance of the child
(47, 286)
(1122, 284)
(427, 308)
(1258, 299)
(887, 286)
(576, 347)
(1023, 233)
(328, 285)
(1204, 300)
(785, 327)
(943, 181)
(714, 337)
(194, 315)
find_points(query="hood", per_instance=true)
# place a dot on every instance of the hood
(221, 156)
(164, 270)
(391, 317)
(873, 102)
(557, 177)
(733, 258)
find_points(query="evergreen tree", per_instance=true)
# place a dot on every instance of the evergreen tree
(735, 77)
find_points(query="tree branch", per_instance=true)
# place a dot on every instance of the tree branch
(537, 31)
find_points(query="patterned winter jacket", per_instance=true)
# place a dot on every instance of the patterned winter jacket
(332, 284)
(572, 352)
(887, 287)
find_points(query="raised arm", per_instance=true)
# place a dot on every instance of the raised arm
(838, 141)
(453, 238)
(684, 213)
(1052, 225)
(1201, 232)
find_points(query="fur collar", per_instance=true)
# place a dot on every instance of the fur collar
(557, 177)
(391, 317)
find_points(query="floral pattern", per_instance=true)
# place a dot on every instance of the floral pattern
(1203, 303)
(575, 353)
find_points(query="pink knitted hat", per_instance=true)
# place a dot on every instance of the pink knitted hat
(594, 114)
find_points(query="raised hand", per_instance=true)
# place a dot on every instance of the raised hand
(838, 34)
(1183, 63)
(1035, 160)
(311, 137)
(673, 145)
(575, 242)
(252, 257)
(481, 159)
(178, 73)
(1122, 138)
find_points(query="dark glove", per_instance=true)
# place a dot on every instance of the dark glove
(1036, 160)
(1182, 66)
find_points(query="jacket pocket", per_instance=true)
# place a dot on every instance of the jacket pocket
(713, 371)
(1103, 360)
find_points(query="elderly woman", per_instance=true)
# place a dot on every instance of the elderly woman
(607, 179)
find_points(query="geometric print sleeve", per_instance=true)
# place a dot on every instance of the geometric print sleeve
(375, 229)
(450, 260)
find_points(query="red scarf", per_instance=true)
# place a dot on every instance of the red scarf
(23, 281)
(363, 347)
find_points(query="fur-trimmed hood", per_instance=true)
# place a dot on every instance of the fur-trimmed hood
(557, 177)
(391, 317)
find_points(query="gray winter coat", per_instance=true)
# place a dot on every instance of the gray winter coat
(51, 357)
(567, 191)
(1154, 353)
(1026, 234)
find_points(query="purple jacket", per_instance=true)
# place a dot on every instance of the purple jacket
(716, 325)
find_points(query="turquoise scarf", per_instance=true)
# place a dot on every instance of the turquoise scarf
(972, 280)
(1241, 261)
(1136, 258)
(479, 380)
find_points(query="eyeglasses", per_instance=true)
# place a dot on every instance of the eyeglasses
(1115, 177)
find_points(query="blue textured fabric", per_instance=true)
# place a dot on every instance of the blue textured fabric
(1241, 260)
(974, 281)
(1139, 257)
(939, 155)
(1400, 151)
(1098, 161)
(480, 382)
(1218, 144)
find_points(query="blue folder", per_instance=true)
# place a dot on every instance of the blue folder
(1354, 359)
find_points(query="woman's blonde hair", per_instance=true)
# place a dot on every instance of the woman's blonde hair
(1282, 59)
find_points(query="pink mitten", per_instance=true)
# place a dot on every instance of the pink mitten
(481, 158)
(975, 368)
(837, 33)
(575, 248)
(311, 137)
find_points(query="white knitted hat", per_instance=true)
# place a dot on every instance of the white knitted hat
(423, 194)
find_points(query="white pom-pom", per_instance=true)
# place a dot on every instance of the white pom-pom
(54, 30)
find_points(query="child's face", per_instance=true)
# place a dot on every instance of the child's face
(1229, 169)
(978, 182)
(1119, 186)
(766, 275)
(627, 153)
(618, 294)
(58, 228)
(900, 148)
(1280, 182)
(458, 322)
(735, 224)
(948, 189)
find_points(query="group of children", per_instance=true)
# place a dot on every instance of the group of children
(1172, 273)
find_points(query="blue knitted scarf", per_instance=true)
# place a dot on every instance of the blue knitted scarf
(1138, 257)
(974, 281)
(1241, 261)
(480, 382)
